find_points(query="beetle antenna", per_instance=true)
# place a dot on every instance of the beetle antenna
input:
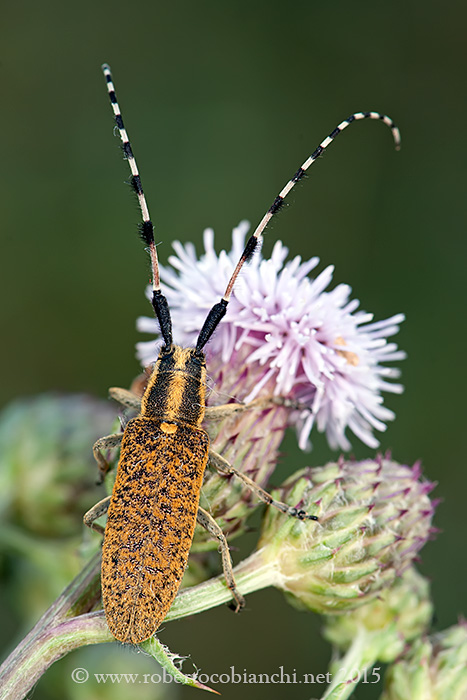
(159, 301)
(218, 310)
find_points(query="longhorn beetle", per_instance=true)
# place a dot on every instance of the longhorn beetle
(154, 504)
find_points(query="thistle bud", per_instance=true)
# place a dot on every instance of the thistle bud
(49, 474)
(47, 482)
(374, 517)
(399, 614)
(435, 667)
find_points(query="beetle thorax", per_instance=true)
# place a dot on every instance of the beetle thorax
(177, 387)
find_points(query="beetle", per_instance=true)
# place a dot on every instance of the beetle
(154, 505)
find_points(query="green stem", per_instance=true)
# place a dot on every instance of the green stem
(72, 622)
(66, 625)
(349, 670)
(251, 574)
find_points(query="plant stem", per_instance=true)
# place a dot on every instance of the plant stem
(66, 625)
(351, 668)
(72, 620)
(252, 574)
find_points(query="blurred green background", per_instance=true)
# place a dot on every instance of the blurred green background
(223, 101)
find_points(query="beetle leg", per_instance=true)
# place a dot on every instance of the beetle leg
(125, 398)
(105, 443)
(228, 409)
(223, 467)
(128, 400)
(94, 513)
(207, 521)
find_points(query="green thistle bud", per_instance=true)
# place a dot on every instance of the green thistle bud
(374, 517)
(435, 667)
(48, 472)
(398, 615)
(377, 632)
(47, 482)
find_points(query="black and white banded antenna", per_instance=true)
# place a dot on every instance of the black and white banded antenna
(218, 310)
(159, 302)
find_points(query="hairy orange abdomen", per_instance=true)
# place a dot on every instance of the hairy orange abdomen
(151, 519)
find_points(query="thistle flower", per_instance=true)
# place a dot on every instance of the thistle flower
(435, 667)
(285, 335)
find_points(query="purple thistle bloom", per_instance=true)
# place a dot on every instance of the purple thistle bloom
(298, 340)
